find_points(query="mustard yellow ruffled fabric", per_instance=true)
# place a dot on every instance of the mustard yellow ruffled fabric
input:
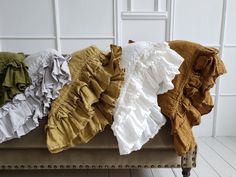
(190, 99)
(85, 106)
(14, 78)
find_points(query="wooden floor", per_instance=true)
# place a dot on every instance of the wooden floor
(216, 158)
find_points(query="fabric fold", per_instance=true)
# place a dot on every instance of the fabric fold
(150, 68)
(49, 72)
(85, 106)
(190, 99)
(14, 78)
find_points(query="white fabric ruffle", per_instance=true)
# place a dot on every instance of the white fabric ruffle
(150, 69)
(49, 72)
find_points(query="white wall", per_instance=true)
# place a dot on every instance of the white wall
(31, 25)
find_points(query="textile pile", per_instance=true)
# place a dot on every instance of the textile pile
(132, 88)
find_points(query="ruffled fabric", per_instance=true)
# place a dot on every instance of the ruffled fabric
(190, 99)
(14, 78)
(85, 106)
(49, 73)
(150, 69)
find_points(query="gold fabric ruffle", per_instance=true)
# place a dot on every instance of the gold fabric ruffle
(190, 99)
(85, 106)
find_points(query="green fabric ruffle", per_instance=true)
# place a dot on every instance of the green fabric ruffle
(14, 78)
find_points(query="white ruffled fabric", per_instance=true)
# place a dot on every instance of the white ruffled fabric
(149, 71)
(49, 72)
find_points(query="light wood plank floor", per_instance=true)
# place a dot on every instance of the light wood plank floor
(216, 158)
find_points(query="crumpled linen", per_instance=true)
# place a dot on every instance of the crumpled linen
(85, 106)
(14, 78)
(190, 97)
(150, 69)
(49, 72)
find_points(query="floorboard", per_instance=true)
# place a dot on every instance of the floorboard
(141, 173)
(177, 172)
(219, 164)
(162, 172)
(119, 173)
(228, 142)
(233, 138)
(224, 152)
(204, 168)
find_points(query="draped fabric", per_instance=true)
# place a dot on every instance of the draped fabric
(150, 69)
(49, 72)
(85, 106)
(14, 78)
(190, 99)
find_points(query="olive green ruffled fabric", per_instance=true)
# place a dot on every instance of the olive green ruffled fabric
(85, 106)
(14, 78)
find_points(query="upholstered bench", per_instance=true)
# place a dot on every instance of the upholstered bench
(30, 152)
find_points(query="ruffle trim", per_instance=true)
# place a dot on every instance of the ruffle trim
(16, 78)
(137, 117)
(21, 115)
(163, 62)
(196, 99)
(48, 77)
(93, 101)
(18, 117)
(136, 125)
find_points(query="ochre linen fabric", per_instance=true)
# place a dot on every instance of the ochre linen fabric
(190, 98)
(85, 106)
(14, 78)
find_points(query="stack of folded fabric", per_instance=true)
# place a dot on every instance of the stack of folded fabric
(94, 89)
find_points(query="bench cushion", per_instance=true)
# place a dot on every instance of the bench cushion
(104, 140)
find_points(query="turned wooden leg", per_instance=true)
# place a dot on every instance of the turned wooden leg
(186, 172)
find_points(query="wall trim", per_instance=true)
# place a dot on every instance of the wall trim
(227, 94)
(224, 94)
(52, 37)
(87, 37)
(157, 5)
(144, 15)
(130, 5)
(230, 45)
(90, 37)
(27, 37)
(170, 22)
(118, 34)
(217, 91)
(115, 14)
(57, 25)
(211, 45)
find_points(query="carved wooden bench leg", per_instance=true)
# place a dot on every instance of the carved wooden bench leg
(186, 172)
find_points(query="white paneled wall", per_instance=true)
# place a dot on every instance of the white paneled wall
(198, 21)
(31, 25)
